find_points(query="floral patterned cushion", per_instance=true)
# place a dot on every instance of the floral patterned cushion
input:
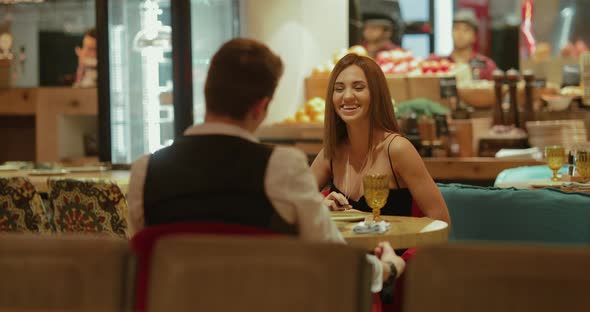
(21, 207)
(88, 205)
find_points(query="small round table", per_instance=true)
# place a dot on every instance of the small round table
(405, 232)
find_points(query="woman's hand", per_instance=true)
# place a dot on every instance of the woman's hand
(387, 255)
(337, 202)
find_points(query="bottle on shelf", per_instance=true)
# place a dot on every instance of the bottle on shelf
(513, 76)
(585, 79)
(498, 86)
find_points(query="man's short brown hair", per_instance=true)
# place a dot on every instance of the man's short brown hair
(241, 73)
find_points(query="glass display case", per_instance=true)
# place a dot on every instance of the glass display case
(38, 40)
(155, 49)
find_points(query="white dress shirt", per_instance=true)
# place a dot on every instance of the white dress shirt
(289, 185)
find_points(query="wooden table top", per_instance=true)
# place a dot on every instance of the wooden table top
(121, 177)
(405, 232)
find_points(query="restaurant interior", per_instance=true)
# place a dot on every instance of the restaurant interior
(500, 123)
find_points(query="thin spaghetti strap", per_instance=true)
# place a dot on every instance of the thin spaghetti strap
(387, 136)
(331, 173)
(390, 164)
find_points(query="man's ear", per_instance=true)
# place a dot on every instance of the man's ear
(78, 50)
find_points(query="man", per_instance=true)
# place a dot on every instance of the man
(86, 72)
(465, 26)
(218, 172)
(377, 32)
(464, 34)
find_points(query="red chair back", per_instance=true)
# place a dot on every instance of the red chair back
(416, 211)
(399, 284)
(144, 241)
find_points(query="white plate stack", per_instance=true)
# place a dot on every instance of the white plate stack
(566, 133)
(585, 77)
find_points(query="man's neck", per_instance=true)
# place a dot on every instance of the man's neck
(462, 55)
(373, 46)
(244, 124)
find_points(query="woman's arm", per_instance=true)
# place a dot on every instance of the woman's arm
(323, 173)
(408, 163)
(321, 170)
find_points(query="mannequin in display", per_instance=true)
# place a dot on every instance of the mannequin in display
(465, 26)
(86, 73)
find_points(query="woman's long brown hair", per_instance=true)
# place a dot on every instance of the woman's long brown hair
(381, 114)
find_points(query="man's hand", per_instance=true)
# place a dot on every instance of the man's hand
(385, 253)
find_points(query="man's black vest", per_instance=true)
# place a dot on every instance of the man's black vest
(211, 178)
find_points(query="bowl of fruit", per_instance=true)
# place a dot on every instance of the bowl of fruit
(396, 61)
(557, 102)
(311, 112)
(477, 93)
(442, 66)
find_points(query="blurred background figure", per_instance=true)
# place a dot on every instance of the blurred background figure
(465, 27)
(378, 30)
(355, 23)
(573, 50)
(86, 73)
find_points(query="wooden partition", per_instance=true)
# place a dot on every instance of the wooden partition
(47, 124)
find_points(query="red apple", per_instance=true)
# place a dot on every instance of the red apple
(401, 68)
(425, 66)
(383, 57)
(445, 65)
(387, 67)
(397, 56)
(408, 56)
(435, 66)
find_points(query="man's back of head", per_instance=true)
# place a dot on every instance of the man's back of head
(241, 74)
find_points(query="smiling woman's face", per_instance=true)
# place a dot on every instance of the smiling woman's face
(351, 95)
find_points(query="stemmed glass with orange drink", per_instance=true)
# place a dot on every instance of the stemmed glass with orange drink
(555, 156)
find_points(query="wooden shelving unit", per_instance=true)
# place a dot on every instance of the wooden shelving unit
(53, 122)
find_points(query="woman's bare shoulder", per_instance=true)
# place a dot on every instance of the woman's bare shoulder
(320, 158)
(401, 149)
(323, 162)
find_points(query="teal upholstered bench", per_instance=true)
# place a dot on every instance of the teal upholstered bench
(512, 215)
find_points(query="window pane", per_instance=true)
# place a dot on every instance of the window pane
(213, 22)
(142, 116)
(415, 10)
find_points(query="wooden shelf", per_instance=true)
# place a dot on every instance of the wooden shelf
(401, 87)
(19, 102)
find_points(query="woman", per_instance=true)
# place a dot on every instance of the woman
(361, 136)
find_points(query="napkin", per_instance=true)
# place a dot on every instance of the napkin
(527, 153)
(576, 186)
(371, 227)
